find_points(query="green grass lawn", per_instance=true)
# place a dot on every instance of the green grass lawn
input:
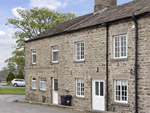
(12, 90)
(8, 85)
(3, 82)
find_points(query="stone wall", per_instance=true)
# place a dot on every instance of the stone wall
(67, 70)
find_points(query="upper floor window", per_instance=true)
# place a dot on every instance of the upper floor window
(43, 83)
(79, 51)
(33, 83)
(121, 90)
(33, 56)
(120, 46)
(55, 54)
(80, 87)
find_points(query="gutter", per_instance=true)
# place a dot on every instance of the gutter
(136, 62)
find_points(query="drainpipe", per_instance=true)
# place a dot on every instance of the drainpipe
(136, 64)
(107, 34)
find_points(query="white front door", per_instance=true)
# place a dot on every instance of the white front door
(55, 90)
(98, 92)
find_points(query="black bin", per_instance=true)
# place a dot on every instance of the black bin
(66, 100)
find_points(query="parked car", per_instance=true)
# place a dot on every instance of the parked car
(18, 82)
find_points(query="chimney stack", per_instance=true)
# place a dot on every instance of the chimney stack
(101, 4)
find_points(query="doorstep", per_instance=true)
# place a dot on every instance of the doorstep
(96, 111)
(67, 108)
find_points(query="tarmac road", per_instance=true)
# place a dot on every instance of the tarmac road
(8, 106)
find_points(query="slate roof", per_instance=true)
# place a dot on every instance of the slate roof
(110, 15)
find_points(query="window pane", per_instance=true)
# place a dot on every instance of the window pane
(121, 90)
(79, 51)
(55, 56)
(97, 88)
(34, 58)
(80, 87)
(101, 88)
(33, 84)
(43, 79)
(55, 84)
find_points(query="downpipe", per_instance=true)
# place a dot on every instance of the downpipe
(136, 64)
(107, 34)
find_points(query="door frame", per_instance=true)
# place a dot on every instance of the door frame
(53, 89)
(100, 80)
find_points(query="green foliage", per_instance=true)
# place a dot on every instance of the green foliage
(32, 23)
(19, 76)
(10, 76)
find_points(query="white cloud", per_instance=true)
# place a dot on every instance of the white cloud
(2, 33)
(52, 4)
(15, 13)
(6, 40)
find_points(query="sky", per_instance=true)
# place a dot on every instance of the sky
(8, 10)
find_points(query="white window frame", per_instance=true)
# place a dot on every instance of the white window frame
(42, 82)
(32, 56)
(80, 87)
(52, 54)
(119, 46)
(79, 51)
(121, 101)
(34, 82)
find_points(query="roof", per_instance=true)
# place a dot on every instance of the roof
(110, 15)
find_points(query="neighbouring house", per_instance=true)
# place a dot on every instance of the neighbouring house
(102, 59)
(3, 75)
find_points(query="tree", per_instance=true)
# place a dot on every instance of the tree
(32, 23)
(19, 76)
(10, 76)
(10, 66)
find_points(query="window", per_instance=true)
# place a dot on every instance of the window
(33, 56)
(55, 54)
(121, 90)
(120, 46)
(43, 83)
(80, 87)
(79, 51)
(33, 83)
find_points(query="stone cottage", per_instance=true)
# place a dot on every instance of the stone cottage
(102, 59)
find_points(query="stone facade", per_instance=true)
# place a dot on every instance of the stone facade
(67, 69)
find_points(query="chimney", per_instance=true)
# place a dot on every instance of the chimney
(101, 4)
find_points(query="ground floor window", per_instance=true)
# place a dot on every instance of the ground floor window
(33, 83)
(80, 87)
(121, 91)
(43, 83)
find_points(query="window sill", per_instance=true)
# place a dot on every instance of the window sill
(42, 90)
(81, 61)
(119, 59)
(33, 64)
(33, 89)
(53, 63)
(121, 104)
(80, 97)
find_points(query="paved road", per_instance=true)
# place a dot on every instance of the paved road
(7, 86)
(7, 106)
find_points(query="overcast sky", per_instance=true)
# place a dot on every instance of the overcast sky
(8, 10)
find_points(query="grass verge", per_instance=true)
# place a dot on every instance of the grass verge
(3, 82)
(12, 90)
(8, 85)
